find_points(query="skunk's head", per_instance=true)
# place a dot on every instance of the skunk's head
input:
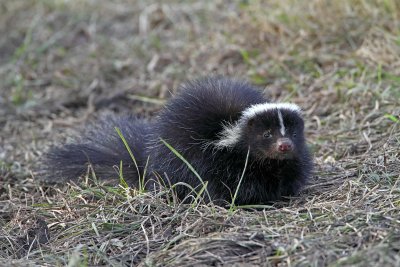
(270, 130)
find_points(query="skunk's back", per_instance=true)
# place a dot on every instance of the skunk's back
(202, 106)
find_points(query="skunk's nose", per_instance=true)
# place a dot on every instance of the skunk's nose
(285, 145)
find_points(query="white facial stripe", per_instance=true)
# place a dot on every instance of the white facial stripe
(281, 123)
(253, 110)
(231, 133)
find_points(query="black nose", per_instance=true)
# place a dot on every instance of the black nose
(285, 145)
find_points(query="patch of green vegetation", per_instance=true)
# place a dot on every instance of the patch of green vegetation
(278, 72)
(23, 48)
(390, 6)
(395, 79)
(19, 94)
(258, 79)
(248, 55)
(6, 166)
(244, 3)
(392, 117)
(156, 42)
(300, 63)
(245, 56)
(293, 89)
(280, 251)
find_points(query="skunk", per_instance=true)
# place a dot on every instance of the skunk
(236, 141)
(218, 125)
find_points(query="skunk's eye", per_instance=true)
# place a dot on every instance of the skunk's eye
(294, 134)
(267, 134)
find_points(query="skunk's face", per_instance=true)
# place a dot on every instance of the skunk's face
(275, 134)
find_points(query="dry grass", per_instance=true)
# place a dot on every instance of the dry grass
(63, 63)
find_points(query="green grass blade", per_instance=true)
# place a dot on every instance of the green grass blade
(141, 186)
(188, 165)
(231, 208)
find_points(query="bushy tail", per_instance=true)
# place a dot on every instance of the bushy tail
(102, 148)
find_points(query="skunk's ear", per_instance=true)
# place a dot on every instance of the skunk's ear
(250, 122)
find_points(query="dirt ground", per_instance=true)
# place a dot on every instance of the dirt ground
(65, 63)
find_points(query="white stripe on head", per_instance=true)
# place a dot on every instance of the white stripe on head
(281, 123)
(231, 133)
(253, 110)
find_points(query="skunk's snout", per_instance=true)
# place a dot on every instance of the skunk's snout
(285, 145)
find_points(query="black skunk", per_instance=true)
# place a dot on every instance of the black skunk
(213, 123)
(217, 125)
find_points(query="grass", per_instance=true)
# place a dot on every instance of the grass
(63, 63)
(232, 206)
(190, 167)
(141, 175)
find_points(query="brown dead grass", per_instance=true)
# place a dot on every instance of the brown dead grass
(63, 63)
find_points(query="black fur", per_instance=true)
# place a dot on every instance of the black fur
(191, 123)
(194, 118)
(102, 147)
